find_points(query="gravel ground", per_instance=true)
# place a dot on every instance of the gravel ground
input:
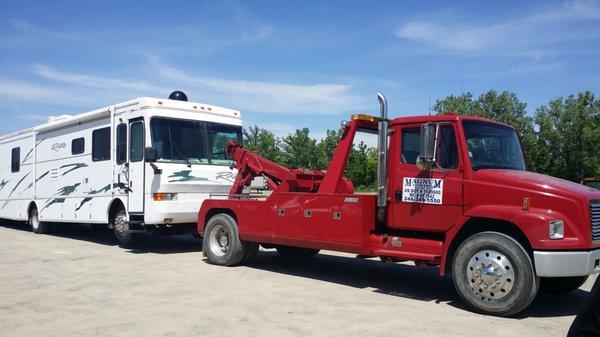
(78, 282)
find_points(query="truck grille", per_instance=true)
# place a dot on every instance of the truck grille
(595, 219)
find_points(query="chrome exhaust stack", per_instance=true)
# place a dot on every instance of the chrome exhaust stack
(382, 149)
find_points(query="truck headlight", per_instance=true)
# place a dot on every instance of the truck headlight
(556, 229)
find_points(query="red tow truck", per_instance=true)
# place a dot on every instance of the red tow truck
(453, 191)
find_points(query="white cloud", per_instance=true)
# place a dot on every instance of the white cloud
(534, 35)
(95, 81)
(272, 97)
(28, 92)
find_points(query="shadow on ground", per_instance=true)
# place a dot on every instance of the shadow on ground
(407, 281)
(145, 242)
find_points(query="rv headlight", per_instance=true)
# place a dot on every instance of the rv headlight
(163, 196)
(556, 229)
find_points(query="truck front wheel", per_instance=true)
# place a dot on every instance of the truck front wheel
(561, 285)
(222, 245)
(493, 273)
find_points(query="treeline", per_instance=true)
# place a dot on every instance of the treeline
(561, 139)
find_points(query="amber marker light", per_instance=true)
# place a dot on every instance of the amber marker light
(364, 118)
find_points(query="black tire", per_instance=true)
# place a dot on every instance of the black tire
(561, 285)
(221, 243)
(37, 226)
(494, 275)
(296, 253)
(121, 228)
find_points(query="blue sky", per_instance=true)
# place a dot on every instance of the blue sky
(287, 64)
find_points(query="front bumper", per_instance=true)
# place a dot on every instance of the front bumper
(566, 264)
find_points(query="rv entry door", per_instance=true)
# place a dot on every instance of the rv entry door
(135, 197)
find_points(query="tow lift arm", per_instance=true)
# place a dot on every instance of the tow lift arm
(282, 179)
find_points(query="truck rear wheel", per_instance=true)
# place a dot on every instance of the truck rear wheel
(493, 273)
(296, 253)
(561, 285)
(222, 245)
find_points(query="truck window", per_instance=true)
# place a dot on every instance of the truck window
(447, 153)
(136, 141)
(411, 139)
(77, 146)
(218, 136)
(121, 143)
(101, 144)
(493, 146)
(15, 164)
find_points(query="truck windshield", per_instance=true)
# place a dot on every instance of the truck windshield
(493, 146)
(192, 142)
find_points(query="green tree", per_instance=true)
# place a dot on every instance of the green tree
(504, 107)
(326, 147)
(262, 141)
(568, 137)
(362, 167)
(298, 150)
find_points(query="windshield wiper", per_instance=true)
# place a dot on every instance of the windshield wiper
(189, 164)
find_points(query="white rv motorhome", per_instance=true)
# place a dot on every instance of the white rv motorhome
(145, 164)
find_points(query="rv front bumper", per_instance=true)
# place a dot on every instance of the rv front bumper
(566, 264)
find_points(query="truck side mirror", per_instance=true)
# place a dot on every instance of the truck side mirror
(426, 159)
(150, 154)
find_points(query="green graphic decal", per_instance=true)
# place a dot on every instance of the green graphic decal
(73, 167)
(13, 190)
(63, 191)
(3, 183)
(184, 175)
(27, 156)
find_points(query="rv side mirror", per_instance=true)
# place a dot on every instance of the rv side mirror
(150, 154)
(426, 159)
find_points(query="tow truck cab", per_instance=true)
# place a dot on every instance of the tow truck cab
(452, 191)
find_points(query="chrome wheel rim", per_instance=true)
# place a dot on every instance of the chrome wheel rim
(491, 275)
(219, 240)
(121, 224)
(35, 221)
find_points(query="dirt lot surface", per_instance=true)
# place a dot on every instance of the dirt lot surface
(78, 282)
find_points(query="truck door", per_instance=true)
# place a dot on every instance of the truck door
(429, 200)
(135, 198)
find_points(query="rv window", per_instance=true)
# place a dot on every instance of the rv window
(218, 136)
(78, 145)
(101, 144)
(15, 160)
(121, 143)
(179, 141)
(136, 142)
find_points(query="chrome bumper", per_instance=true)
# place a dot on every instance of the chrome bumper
(564, 264)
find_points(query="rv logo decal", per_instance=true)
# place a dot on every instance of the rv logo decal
(227, 176)
(3, 183)
(58, 146)
(184, 175)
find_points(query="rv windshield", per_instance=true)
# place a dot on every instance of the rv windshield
(192, 142)
(493, 146)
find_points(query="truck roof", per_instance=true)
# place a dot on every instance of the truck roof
(141, 102)
(447, 117)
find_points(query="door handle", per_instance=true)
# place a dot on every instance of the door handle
(398, 195)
